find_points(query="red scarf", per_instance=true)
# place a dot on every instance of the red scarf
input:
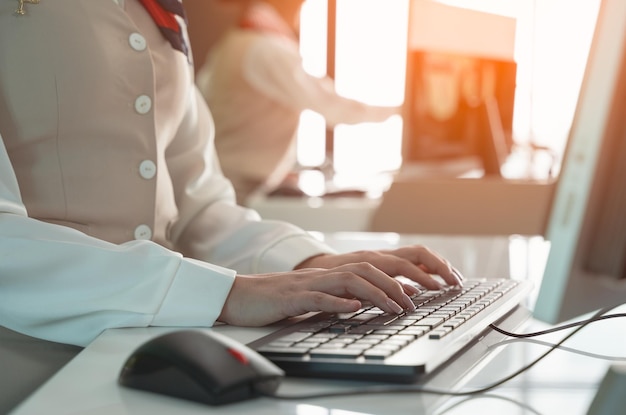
(164, 13)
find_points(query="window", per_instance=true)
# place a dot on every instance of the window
(552, 43)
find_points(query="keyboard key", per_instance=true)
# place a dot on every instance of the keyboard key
(418, 314)
(341, 341)
(308, 327)
(452, 308)
(269, 351)
(453, 323)
(442, 314)
(377, 354)
(369, 340)
(322, 336)
(359, 346)
(399, 340)
(364, 330)
(439, 333)
(396, 327)
(336, 353)
(295, 337)
(415, 331)
(382, 320)
(430, 322)
(339, 328)
(308, 345)
(387, 332)
(406, 321)
(359, 319)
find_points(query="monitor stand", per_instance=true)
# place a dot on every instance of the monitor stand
(493, 148)
(611, 396)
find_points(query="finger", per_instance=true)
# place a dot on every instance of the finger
(430, 262)
(395, 265)
(308, 301)
(411, 289)
(358, 281)
(392, 287)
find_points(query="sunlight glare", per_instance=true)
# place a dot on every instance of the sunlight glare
(551, 47)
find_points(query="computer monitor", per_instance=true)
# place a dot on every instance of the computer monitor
(458, 105)
(586, 266)
(460, 86)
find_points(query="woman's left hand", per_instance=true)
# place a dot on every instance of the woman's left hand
(415, 262)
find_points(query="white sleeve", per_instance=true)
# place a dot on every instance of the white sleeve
(61, 285)
(273, 66)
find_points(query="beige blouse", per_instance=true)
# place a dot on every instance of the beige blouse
(113, 208)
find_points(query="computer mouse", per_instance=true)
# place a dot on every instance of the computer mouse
(203, 366)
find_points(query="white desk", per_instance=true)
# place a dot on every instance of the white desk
(563, 383)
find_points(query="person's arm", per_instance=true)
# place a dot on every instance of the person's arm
(62, 285)
(273, 66)
(210, 226)
(270, 256)
(59, 284)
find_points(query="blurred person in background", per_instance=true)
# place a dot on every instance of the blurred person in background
(255, 84)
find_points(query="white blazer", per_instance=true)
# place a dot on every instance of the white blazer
(113, 208)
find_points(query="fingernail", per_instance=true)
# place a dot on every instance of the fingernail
(408, 303)
(394, 306)
(412, 289)
(459, 277)
(458, 274)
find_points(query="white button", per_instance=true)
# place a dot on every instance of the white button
(143, 103)
(137, 42)
(143, 232)
(147, 169)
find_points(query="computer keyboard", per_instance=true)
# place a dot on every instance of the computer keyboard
(363, 342)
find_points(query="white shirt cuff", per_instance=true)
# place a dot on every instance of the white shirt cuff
(197, 295)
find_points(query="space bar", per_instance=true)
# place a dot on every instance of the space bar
(271, 351)
(336, 353)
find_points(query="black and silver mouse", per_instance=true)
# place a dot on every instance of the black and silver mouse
(202, 366)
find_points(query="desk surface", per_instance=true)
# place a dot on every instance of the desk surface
(565, 382)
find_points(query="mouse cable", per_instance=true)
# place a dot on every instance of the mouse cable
(386, 389)
(562, 348)
(522, 405)
(558, 328)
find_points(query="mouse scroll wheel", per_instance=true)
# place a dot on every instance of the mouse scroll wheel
(242, 358)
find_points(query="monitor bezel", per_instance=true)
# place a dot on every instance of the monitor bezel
(568, 289)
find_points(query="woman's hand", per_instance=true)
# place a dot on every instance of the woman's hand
(337, 283)
(415, 262)
(262, 299)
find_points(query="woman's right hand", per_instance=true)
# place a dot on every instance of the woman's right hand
(257, 300)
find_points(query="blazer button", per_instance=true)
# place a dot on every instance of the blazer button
(143, 232)
(143, 103)
(137, 42)
(147, 169)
